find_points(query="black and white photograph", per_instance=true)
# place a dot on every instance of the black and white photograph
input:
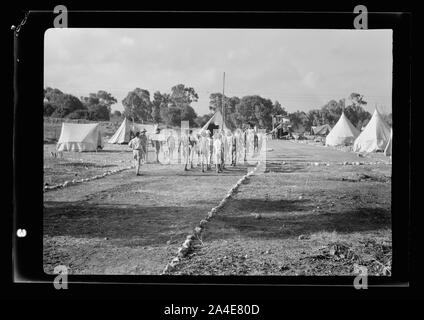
(220, 152)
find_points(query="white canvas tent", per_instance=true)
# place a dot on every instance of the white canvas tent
(321, 130)
(122, 135)
(79, 137)
(216, 120)
(343, 133)
(375, 136)
(388, 150)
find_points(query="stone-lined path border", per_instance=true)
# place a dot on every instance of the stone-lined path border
(187, 245)
(77, 181)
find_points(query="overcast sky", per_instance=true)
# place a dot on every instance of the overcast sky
(302, 69)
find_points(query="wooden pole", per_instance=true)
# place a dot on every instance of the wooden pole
(222, 102)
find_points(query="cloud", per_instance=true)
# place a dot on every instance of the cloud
(299, 68)
(310, 80)
(127, 41)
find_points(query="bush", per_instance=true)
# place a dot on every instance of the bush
(48, 109)
(78, 114)
(98, 112)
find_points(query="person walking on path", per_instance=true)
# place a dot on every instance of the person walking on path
(136, 145)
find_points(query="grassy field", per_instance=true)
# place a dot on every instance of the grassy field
(291, 218)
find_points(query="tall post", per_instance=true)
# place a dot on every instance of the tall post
(222, 102)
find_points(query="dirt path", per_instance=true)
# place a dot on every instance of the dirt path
(291, 216)
(124, 224)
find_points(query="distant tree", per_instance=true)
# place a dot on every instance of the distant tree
(215, 101)
(300, 121)
(58, 104)
(172, 116)
(357, 115)
(98, 105)
(256, 111)
(98, 112)
(202, 120)
(159, 102)
(277, 109)
(106, 99)
(137, 105)
(51, 95)
(79, 114)
(182, 96)
(188, 114)
(357, 99)
(65, 104)
(48, 108)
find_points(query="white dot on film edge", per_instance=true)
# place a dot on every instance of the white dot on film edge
(21, 233)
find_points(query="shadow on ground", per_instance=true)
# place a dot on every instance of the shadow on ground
(284, 219)
(134, 225)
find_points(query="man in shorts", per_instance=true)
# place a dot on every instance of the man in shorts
(138, 146)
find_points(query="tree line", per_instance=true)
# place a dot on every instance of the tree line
(172, 107)
(331, 112)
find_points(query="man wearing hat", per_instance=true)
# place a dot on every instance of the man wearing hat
(138, 145)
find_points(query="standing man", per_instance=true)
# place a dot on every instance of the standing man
(143, 139)
(217, 146)
(136, 146)
(234, 149)
(156, 144)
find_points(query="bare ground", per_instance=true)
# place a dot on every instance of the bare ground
(292, 218)
(298, 219)
(124, 224)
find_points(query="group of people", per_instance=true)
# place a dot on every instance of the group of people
(203, 148)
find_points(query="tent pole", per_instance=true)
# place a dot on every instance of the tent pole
(222, 102)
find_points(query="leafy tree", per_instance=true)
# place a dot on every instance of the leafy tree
(99, 105)
(106, 99)
(202, 120)
(171, 115)
(52, 95)
(98, 112)
(48, 108)
(182, 96)
(188, 114)
(300, 121)
(137, 105)
(159, 102)
(357, 99)
(255, 110)
(58, 104)
(79, 114)
(277, 109)
(65, 104)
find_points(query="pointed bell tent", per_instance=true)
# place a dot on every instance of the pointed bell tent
(343, 133)
(216, 122)
(79, 137)
(122, 135)
(375, 136)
